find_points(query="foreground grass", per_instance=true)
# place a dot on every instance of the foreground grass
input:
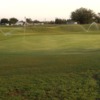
(53, 77)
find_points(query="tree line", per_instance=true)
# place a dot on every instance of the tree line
(85, 16)
(10, 21)
(81, 16)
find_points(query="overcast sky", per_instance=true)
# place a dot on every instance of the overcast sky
(44, 9)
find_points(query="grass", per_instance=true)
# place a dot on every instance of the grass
(49, 63)
(52, 43)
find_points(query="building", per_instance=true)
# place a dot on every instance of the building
(20, 23)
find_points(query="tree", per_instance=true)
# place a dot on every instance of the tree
(13, 20)
(4, 21)
(60, 21)
(97, 18)
(29, 20)
(36, 21)
(83, 15)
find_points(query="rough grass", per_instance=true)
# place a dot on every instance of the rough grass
(59, 77)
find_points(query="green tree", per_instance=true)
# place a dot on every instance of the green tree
(60, 21)
(29, 20)
(97, 18)
(83, 16)
(13, 20)
(4, 21)
(36, 21)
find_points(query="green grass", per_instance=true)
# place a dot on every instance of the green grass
(49, 62)
(53, 43)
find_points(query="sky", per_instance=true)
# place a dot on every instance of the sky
(44, 9)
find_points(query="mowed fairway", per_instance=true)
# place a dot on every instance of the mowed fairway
(49, 63)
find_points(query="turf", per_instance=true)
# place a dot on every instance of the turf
(49, 62)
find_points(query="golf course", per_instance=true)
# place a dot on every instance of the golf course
(50, 62)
